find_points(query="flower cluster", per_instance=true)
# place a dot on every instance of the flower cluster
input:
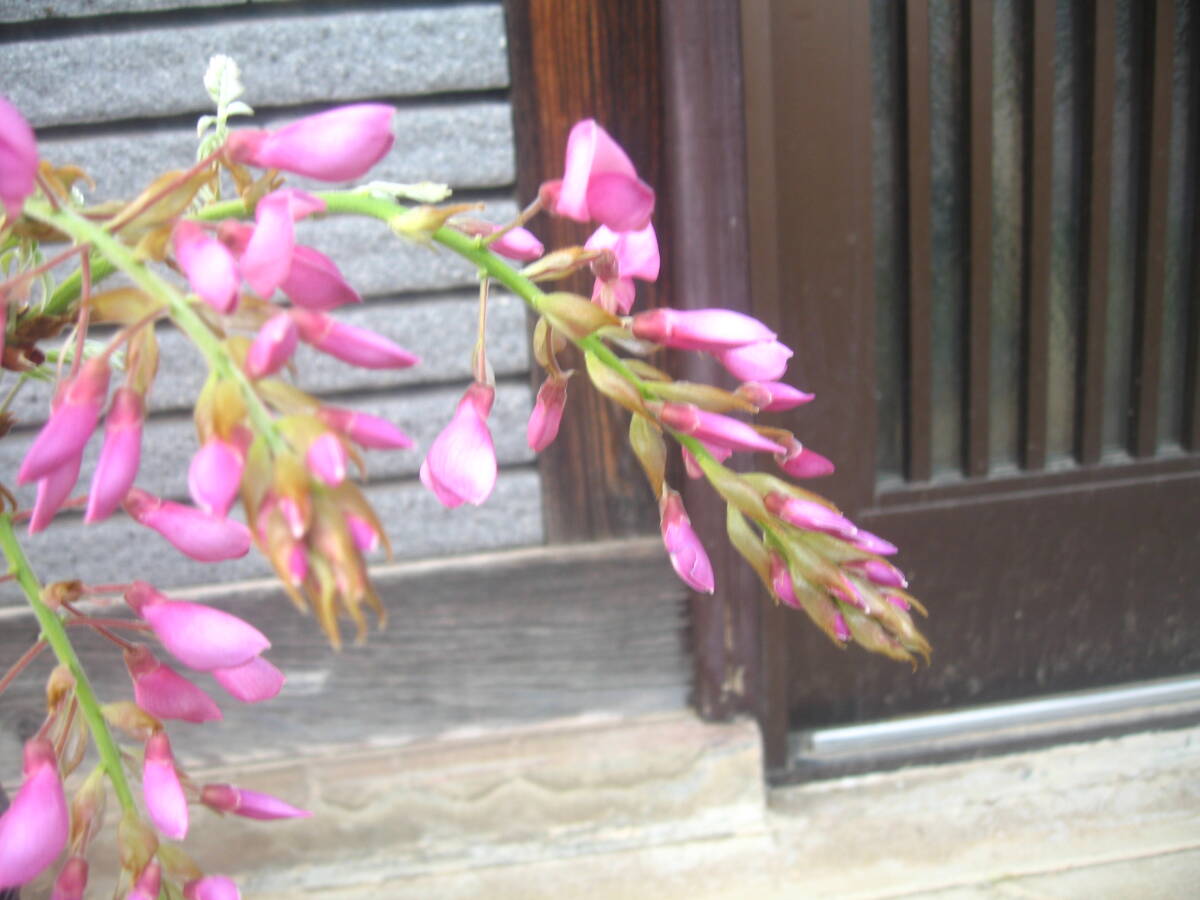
(253, 295)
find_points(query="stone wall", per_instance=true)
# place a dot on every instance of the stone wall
(115, 85)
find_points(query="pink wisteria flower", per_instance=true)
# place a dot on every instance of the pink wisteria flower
(810, 515)
(365, 429)
(18, 159)
(211, 887)
(326, 458)
(33, 830)
(636, 255)
(801, 462)
(215, 475)
(195, 533)
(516, 243)
(687, 554)
(547, 413)
(120, 455)
(357, 346)
(315, 282)
(762, 361)
(461, 464)
(248, 804)
(209, 266)
(52, 492)
(599, 182)
(72, 421)
(714, 330)
(72, 880)
(714, 428)
(273, 346)
(199, 636)
(148, 883)
(267, 256)
(774, 396)
(252, 682)
(340, 144)
(164, 693)
(166, 802)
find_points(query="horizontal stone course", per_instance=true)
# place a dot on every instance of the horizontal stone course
(120, 550)
(465, 145)
(169, 442)
(28, 10)
(285, 60)
(441, 331)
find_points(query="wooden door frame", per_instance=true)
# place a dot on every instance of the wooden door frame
(666, 79)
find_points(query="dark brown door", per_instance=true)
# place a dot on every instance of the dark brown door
(977, 223)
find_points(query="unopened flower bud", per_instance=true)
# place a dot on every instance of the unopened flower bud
(340, 144)
(880, 572)
(573, 315)
(33, 830)
(215, 475)
(163, 692)
(326, 458)
(194, 532)
(199, 636)
(315, 282)
(53, 490)
(209, 266)
(365, 429)
(59, 686)
(72, 880)
(251, 682)
(148, 884)
(249, 804)
(714, 428)
(774, 396)
(700, 329)
(120, 455)
(687, 554)
(461, 464)
(273, 346)
(351, 344)
(211, 887)
(873, 543)
(802, 462)
(810, 515)
(18, 159)
(764, 361)
(161, 789)
(71, 423)
(547, 413)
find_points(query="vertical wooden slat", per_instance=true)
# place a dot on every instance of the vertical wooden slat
(920, 235)
(979, 74)
(705, 144)
(572, 60)
(1148, 330)
(1090, 429)
(1191, 372)
(1035, 379)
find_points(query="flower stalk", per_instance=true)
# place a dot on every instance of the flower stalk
(54, 632)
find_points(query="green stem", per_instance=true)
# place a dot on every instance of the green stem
(55, 635)
(181, 312)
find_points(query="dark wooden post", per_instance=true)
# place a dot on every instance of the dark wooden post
(572, 60)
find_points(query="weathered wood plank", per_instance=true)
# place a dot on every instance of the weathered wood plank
(472, 642)
(143, 73)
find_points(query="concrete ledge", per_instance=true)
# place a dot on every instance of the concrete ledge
(518, 797)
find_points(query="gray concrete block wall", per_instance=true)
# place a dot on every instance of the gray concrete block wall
(119, 94)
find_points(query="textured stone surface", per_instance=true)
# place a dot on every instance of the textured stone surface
(417, 524)
(30, 10)
(465, 145)
(169, 441)
(387, 53)
(441, 331)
